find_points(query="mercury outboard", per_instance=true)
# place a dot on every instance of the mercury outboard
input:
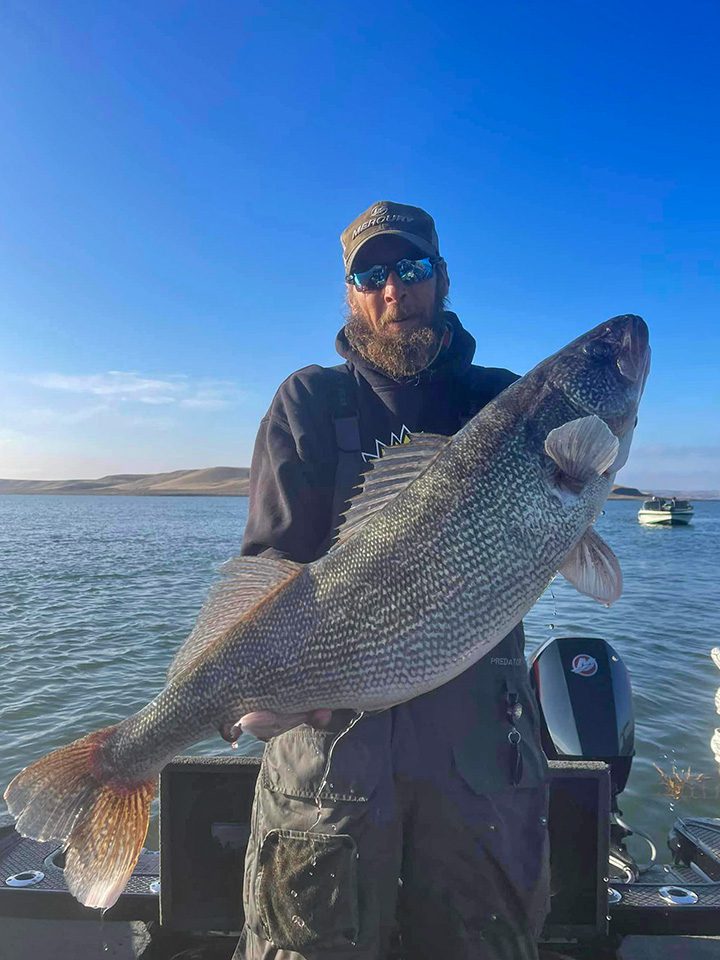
(585, 697)
(584, 694)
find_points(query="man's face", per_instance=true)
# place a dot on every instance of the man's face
(396, 308)
(398, 327)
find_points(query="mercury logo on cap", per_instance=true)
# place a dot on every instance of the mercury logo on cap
(388, 218)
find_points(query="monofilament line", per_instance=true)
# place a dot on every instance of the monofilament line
(326, 773)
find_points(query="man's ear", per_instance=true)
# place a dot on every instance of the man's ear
(443, 279)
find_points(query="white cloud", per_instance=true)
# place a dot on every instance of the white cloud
(9, 438)
(115, 383)
(213, 395)
(58, 424)
(125, 387)
(44, 416)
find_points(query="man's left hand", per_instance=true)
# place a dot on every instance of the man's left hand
(265, 724)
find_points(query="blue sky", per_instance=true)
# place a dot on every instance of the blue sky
(174, 177)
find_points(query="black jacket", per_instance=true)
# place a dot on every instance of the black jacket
(292, 477)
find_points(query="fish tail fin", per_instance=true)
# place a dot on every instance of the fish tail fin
(70, 795)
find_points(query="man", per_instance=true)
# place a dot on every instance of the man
(445, 793)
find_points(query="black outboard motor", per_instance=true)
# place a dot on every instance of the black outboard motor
(585, 699)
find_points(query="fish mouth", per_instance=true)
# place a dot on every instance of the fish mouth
(604, 371)
(230, 730)
(633, 361)
(633, 365)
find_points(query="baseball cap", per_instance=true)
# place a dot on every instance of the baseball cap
(386, 218)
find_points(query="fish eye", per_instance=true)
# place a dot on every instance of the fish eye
(598, 349)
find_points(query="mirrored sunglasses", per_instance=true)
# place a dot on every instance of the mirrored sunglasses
(408, 271)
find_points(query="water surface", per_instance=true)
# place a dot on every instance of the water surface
(97, 593)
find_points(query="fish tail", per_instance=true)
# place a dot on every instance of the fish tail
(71, 795)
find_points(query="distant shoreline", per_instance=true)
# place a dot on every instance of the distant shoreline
(119, 493)
(208, 482)
(224, 482)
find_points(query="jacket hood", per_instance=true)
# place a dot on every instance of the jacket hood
(450, 363)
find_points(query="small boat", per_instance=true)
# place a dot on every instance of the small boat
(666, 510)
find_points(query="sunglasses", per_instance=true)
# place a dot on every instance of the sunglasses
(408, 271)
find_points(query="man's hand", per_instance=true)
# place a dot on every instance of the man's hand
(264, 724)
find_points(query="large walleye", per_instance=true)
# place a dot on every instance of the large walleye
(444, 550)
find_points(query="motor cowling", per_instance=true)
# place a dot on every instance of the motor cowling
(585, 699)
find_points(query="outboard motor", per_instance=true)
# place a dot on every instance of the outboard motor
(583, 690)
(585, 699)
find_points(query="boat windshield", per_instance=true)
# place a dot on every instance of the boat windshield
(663, 503)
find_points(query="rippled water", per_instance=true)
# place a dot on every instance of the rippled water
(96, 593)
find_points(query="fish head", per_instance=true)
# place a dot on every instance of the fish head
(603, 373)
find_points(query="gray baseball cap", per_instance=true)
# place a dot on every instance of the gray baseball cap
(386, 218)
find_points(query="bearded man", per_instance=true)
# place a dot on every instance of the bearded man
(420, 829)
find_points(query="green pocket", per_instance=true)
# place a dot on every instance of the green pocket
(295, 763)
(306, 890)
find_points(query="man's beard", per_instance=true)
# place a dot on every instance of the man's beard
(398, 354)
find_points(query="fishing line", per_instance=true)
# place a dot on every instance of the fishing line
(326, 774)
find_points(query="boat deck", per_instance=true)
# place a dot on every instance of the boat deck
(211, 798)
(89, 940)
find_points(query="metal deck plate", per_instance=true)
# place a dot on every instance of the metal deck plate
(51, 898)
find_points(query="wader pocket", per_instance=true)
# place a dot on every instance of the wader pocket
(306, 890)
(295, 763)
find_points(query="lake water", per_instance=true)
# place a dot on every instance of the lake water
(96, 593)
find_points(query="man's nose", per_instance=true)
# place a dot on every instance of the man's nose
(394, 289)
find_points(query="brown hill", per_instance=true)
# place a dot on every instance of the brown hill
(212, 481)
(627, 493)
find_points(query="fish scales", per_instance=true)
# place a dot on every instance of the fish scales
(342, 663)
(415, 592)
(407, 626)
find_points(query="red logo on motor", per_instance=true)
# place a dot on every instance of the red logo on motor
(584, 665)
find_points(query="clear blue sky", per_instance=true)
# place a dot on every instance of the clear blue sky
(174, 177)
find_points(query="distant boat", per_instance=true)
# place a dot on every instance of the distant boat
(666, 511)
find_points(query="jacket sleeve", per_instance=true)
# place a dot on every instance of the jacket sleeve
(292, 478)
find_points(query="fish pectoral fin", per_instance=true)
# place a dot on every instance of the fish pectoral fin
(593, 569)
(245, 581)
(582, 450)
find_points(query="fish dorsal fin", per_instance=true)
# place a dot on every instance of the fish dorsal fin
(593, 569)
(245, 581)
(388, 477)
(582, 449)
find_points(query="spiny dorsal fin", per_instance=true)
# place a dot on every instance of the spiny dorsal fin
(245, 581)
(582, 449)
(593, 569)
(387, 477)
